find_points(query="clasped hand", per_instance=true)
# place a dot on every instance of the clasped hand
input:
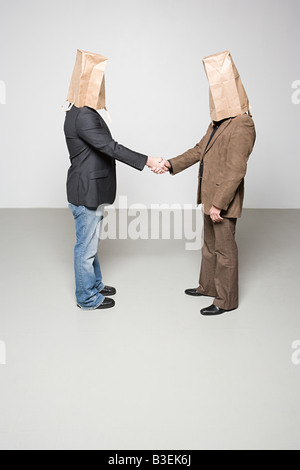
(158, 165)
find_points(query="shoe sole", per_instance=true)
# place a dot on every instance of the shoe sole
(216, 314)
(101, 307)
(213, 314)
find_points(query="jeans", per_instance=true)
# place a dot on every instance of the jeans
(88, 277)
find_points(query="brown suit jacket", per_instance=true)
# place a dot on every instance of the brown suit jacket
(225, 165)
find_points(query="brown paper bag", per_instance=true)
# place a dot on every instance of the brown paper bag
(227, 96)
(87, 86)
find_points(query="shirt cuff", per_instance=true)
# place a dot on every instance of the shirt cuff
(171, 169)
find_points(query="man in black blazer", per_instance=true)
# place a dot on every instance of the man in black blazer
(91, 184)
(92, 177)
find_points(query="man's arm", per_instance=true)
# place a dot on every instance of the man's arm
(189, 158)
(90, 130)
(240, 147)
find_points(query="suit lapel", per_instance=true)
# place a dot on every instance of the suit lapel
(208, 134)
(218, 133)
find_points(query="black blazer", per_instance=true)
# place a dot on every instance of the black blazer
(92, 175)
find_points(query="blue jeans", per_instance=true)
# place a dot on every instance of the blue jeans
(88, 275)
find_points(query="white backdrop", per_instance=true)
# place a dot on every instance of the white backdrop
(157, 91)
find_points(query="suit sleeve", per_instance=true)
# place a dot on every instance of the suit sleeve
(188, 158)
(240, 147)
(89, 128)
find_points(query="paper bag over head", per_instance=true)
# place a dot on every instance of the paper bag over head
(87, 86)
(227, 96)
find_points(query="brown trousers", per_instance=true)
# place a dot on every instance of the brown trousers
(219, 269)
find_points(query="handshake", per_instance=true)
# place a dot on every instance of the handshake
(158, 165)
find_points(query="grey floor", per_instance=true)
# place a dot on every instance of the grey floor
(152, 373)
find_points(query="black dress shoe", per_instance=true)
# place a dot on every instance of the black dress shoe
(212, 310)
(108, 291)
(193, 293)
(107, 303)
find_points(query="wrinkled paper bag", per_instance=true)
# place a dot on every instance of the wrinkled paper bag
(87, 86)
(227, 96)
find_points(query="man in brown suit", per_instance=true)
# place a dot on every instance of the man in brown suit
(223, 154)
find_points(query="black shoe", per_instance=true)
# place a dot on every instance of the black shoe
(108, 291)
(193, 292)
(107, 303)
(212, 310)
